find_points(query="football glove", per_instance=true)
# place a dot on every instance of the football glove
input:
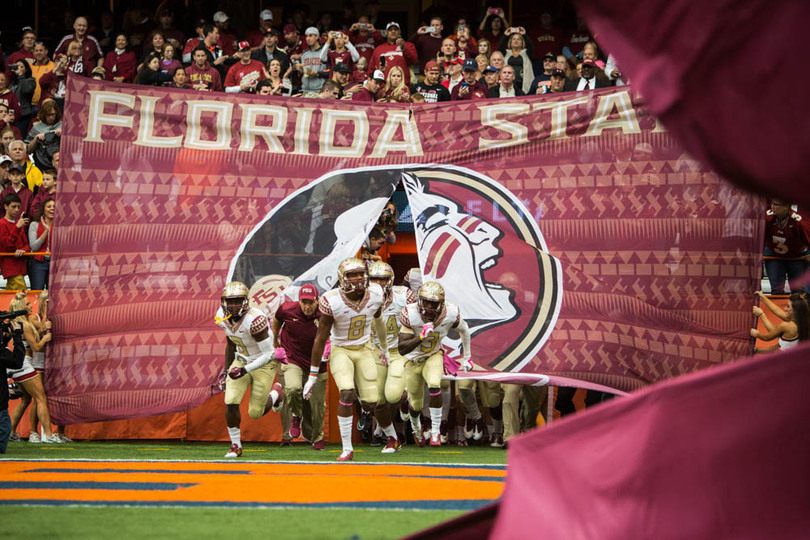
(466, 364)
(237, 372)
(427, 329)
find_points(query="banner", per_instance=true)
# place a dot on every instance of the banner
(579, 240)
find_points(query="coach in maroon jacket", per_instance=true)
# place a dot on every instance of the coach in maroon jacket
(294, 329)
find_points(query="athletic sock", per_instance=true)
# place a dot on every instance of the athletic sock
(378, 431)
(389, 431)
(416, 424)
(467, 398)
(236, 436)
(435, 420)
(345, 423)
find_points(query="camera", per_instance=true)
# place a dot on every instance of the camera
(5, 324)
(430, 29)
(363, 25)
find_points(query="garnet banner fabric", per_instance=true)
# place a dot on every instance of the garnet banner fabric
(579, 240)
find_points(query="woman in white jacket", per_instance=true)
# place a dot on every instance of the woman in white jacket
(517, 52)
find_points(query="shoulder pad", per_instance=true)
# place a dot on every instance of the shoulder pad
(258, 325)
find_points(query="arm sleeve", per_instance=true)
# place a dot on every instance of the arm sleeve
(33, 240)
(325, 53)
(464, 332)
(353, 51)
(382, 335)
(266, 347)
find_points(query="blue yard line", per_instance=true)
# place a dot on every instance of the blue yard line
(135, 471)
(117, 486)
(360, 505)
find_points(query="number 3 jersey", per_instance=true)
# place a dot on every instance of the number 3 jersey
(400, 297)
(352, 325)
(251, 324)
(410, 318)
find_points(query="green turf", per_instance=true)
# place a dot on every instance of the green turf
(176, 450)
(222, 524)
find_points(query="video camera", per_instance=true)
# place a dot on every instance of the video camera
(5, 325)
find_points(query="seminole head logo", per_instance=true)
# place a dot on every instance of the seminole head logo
(472, 235)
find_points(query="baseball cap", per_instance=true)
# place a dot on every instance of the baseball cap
(289, 28)
(308, 292)
(432, 66)
(220, 16)
(200, 23)
(490, 69)
(341, 68)
(470, 65)
(271, 31)
(558, 73)
(266, 15)
(243, 46)
(378, 75)
(312, 30)
(17, 167)
(588, 63)
(392, 23)
(550, 55)
(28, 30)
(4, 159)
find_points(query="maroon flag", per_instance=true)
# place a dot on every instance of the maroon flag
(580, 241)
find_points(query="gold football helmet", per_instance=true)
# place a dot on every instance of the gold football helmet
(382, 273)
(353, 275)
(431, 300)
(235, 299)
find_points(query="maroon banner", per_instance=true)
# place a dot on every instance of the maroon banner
(598, 250)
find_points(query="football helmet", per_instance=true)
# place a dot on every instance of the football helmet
(353, 275)
(431, 300)
(382, 273)
(235, 299)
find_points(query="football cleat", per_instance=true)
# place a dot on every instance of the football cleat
(318, 445)
(235, 451)
(280, 399)
(480, 429)
(462, 442)
(234, 300)
(430, 300)
(33, 437)
(443, 431)
(286, 442)
(419, 438)
(393, 445)
(435, 440)
(346, 455)
(469, 428)
(14, 437)
(51, 439)
(497, 441)
(295, 427)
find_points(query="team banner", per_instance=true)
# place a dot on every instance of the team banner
(581, 243)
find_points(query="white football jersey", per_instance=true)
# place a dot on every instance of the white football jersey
(252, 323)
(400, 297)
(409, 317)
(352, 324)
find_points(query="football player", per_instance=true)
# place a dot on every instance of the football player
(249, 361)
(390, 378)
(423, 326)
(347, 314)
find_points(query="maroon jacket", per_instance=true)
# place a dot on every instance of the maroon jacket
(13, 238)
(297, 334)
(120, 65)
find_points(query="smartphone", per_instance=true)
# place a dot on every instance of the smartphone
(464, 84)
(513, 30)
(25, 215)
(430, 29)
(363, 25)
(382, 62)
(493, 11)
(461, 27)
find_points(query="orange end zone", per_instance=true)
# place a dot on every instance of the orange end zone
(250, 484)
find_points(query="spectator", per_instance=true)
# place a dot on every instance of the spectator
(256, 36)
(16, 177)
(10, 361)
(293, 43)
(557, 82)
(517, 53)
(45, 135)
(179, 78)
(168, 62)
(106, 32)
(39, 67)
(497, 60)
(39, 240)
(576, 41)
(507, 86)
(614, 73)
(454, 76)
(227, 40)
(587, 80)
(465, 44)
(311, 66)
(370, 88)
(53, 82)
(541, 82)
(194, 42)
(137, 25)
(76, 62)
(493, 25)
(340, 75)
(156, 44)
(339, 50)
(428, 40)
(23, 86)
(170, 33)
(281, 85)
(26, 50)
(546, 38)
(90, 50)
(448, 55)
(795, 325)
(17, 153)
(469, 88)
(13, 237)
(787, 246)
(395, 90)
(9, 98)
(483, 64)
(150, 74)
(365, 37)
(269, 50)
(485, 48)
(491, 78)
(45, 191)
(370, 250)
(99, 74)
(394, 52)
(120, 63)
(7, 121)
(430, 89)
(56, 160)
(214, 47)
(6, 136)
(329, 90)
(201, 75)
(244, 75)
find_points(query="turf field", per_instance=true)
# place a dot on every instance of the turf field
(183, 490)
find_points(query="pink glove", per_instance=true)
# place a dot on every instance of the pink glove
(427, 329)
(327, 350)
(280, 354)
(237, 372)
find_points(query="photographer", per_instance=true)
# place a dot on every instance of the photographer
(45, 136)
(12, 360)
